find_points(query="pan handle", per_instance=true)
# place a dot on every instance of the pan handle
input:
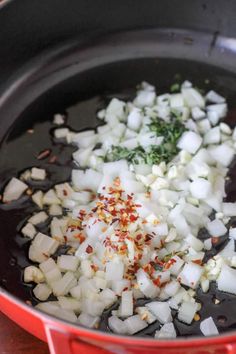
(61, 342)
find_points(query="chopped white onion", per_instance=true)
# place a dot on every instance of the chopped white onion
(208, 327)
(14, 190)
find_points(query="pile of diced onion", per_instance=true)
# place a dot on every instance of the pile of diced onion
(132, 230)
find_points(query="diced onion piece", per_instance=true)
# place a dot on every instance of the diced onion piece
(63, 190)
(134, 324)
(42, 291)
(58, 119)
(205, 284)
(108, 297)
(145, 98)
(216, 228)
(126, 306)
(187, 311)
(67, 262)
(222, 154)
(29, 230)
(193, 98)
(88, 320)
(55, 210)
(38, 218)
(62, 286)
(68, 303)
(212, 136)
(146, 285)
(76, 292)
(200, 188)
(220, 109)
(190, 275)
(208, 327)
(93, 307)
(176, 100)
(37, 198)
(13, 190)
(214, 97)
(197, 113)
(53, 308)
(229, 209)
(38, 174)
(134, 119)
(61, 133)
(81, 156)
(50, 307)
(190, 142)
(172, 287)
(119, 285)
(145, 314)
(227, 279)
(117, 325)
(42, 247)
(33, 274)
(50, 198)
(166, 331)
(114, 168)
(50, 270)
(161, 310)
(114, 269)
(232, 233)
(88, 179)
(176, 264)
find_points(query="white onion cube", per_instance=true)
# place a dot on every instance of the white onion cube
(190, 142)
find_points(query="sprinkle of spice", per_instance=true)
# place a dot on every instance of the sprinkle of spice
(44, 154)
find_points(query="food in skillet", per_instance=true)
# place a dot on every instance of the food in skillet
(145, 183)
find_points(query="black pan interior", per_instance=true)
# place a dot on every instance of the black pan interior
(84, 93)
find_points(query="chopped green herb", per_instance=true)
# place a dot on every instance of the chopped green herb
(154, 154)
(175, 88)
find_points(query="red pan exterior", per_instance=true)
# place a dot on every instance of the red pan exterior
(64, 338)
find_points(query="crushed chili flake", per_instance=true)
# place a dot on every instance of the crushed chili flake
(214, 240)
(44, 154)
(89, 249)
(53, 159)
(65, 193)
(197, 261)
(169, 263)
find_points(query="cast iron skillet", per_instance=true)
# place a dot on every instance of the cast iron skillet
(86, 52)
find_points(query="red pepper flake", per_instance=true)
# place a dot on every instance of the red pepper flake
(44, 154)
(138, 205)
(65, 239)
(133, 218)
(157, 281)
(65, 193)
(94, 267)
(148, 237)
(214, 240)
(117, 182)
(197, 261)
(139, 236)
(89, 249)
(80, 237)
(169, 263)
(28, 302)
(53, 159)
